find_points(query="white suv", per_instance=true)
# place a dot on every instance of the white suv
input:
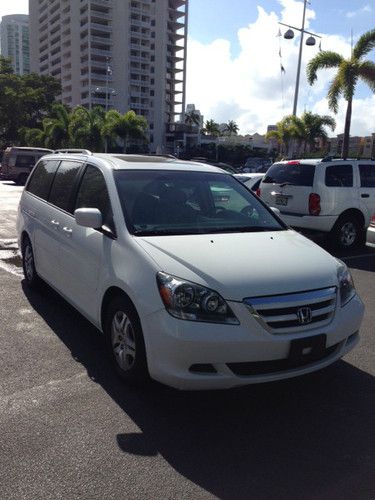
(191, 278)
(333, 196)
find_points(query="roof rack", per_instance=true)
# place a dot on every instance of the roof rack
(76, 151)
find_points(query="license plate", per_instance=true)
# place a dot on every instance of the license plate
(308, 349)
(281, 200)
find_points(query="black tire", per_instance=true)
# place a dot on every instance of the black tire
(28, 264)
(126, 345)
(21, 179)
(347, 233)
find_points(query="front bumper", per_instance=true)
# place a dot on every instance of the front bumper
(174, 346)
(322, 223)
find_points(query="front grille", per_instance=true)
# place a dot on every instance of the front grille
(277, 365)
(280, 313)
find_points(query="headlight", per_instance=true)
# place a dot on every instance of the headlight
(346, 284)
(189, 301)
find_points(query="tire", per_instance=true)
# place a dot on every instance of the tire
(21, 179)
(124, 338)
(28, 264)
(347, 233)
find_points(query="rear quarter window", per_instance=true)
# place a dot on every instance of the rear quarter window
(299, 174)
(41, 179)
(64, 184)
(367, 174)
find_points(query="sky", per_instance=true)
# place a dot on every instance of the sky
(233, 66)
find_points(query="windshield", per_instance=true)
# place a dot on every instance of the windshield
(295, 174)
(170, 202)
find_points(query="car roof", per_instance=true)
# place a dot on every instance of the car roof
(323, 161)
(137, 162)
(250, 175)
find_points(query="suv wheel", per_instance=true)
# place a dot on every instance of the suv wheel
(125, 341)
(28, 264)
(346, 233)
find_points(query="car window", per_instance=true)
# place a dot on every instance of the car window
(367, 174)
(181, 202)
(295, 174)
(41, 179)
(339, 176)
(93, 193)
(63, 184)
(25, 161)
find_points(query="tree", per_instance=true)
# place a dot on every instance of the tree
(284, 133)
(313, 128)
(6, 67)
(56, 127)
(192, 118)
(212, 128)
(349, 72)
(85, 128)
(231, 128)
(126, 126)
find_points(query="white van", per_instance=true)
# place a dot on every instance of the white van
(196, 288)
(333, 196)
(18, 162)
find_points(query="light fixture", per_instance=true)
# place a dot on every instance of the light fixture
(289, 34)
(311, 41)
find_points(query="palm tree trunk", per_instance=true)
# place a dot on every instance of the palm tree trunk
(345, 145)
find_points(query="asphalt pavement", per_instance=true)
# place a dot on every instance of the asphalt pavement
(71, 429)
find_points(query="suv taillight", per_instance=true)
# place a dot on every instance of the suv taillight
(314, 204)
(373, 220)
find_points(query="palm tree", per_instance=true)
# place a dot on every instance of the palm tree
(231, 128)
(33, 137)
(349, 72)
(126, 126)
(284, 133)
(192, 118)
(212, 128)
(85, 128)
(56, 127)
(313, 127)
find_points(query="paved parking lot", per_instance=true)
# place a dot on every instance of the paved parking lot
(70, 429)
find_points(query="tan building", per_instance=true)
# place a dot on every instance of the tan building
(122, 54)
(359, 147)
(14, 39)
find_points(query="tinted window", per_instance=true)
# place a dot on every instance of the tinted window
(93, 193)
(367, 173)
(25, 161)
(295, 174)
(63, 184)
(339, 176)
(41, 178)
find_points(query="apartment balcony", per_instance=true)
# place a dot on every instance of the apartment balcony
(138, 105)
(104, 3)
(175, 14)
(97, 39)
(175, 36)
(96, 77)
(141, 24)
(100, 15)
(140, 59)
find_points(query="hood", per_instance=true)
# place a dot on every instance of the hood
(243, 265)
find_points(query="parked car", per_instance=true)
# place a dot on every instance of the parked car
(18, 162)
(336, 197)
(370, 236)
(193, 293)
(251, 181)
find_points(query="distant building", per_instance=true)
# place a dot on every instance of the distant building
(359, 147)
(14, 39)
(121, 54)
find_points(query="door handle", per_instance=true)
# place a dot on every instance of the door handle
(55, 224)
(365, 195)
(68, 231)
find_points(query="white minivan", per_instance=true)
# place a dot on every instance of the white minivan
(334, 196)
(191, 278)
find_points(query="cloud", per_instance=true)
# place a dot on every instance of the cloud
(365, 9)
(249, 88)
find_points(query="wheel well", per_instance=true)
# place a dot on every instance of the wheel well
(354, 212)
(24, 236)
(112, 292)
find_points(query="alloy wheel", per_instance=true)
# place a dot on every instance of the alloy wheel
(123, 340)
(348, 234)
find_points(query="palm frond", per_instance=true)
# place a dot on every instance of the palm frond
(365, 44)
(366, 71)
(334, 92)
(325, 59)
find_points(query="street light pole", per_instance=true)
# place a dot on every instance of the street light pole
(299, 60)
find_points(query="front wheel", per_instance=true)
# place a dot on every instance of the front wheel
(125, 341)
(347, 233)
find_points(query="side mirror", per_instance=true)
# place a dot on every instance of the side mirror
(275, 210)
(88, 217)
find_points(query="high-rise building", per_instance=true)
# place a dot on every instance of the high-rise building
(122, 54)
(14, 38)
